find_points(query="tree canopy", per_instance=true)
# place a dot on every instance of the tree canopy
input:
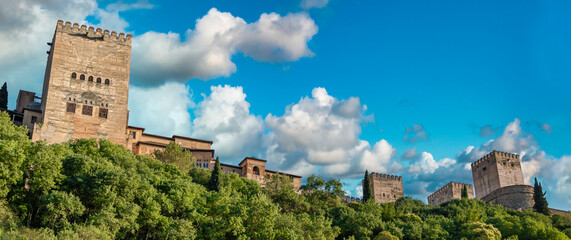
(95, 189)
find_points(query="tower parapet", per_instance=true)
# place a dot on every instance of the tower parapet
(93, 33)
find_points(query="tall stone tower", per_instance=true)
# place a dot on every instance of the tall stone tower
(86, 85)
(386, 188)
(496, 170)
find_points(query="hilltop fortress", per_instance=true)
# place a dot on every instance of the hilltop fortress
(498, 179)
(85, 95)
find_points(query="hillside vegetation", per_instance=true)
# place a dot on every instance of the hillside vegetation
(89, 189)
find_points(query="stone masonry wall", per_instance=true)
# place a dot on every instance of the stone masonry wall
(519, 197)
(496, 170)
(86, 67)
(386, 188)
(452, 190)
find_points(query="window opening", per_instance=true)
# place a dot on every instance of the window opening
(74, 75)
(103, 112)
(82, 77)
(87, 110)
(70, 107)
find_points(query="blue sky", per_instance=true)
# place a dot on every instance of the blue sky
(336, 91)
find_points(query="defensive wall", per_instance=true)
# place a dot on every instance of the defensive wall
(452, 190)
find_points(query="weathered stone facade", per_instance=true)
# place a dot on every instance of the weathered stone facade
(498, 179)
(452, 190)
(86, 85)
(386, 188)
(519, 197)
(496, 170)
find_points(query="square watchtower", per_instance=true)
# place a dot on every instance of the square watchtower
(386, 188)
(495, 170)
(86, 85)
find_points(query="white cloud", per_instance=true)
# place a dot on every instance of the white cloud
(425, 164)
(359, 191)
(206, 51)
(323, 131)
(224, 117)
(307, 4)
(162, 110)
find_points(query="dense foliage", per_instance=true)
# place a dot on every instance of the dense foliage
(89, 189)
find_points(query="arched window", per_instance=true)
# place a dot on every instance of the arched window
(74, 75)
(98, 80)
(82, 77)
(256, 170)
(106, 81)
(90, 79)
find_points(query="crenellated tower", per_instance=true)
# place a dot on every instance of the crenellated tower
(386, 188)
(496, 170)
(86, 85)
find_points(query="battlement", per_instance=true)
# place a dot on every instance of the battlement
(449, 186)
(348, 199)
(493, 154)
(385, 177)
(91, 32)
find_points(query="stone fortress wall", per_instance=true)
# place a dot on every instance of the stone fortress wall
(519, 197)
(452, 190)
(386, 188)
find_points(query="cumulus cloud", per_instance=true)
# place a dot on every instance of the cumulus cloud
(206, 51)
(415, 133)
(307, 4)
(162, 110)
(323, 131)
(224, 117)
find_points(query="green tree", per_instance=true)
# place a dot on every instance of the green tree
(177, 156)
(14, 143)
(4, 97)
(215, 183)
(464, 192)
(367, 190)
(540, 204)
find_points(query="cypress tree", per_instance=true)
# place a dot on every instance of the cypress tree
(464, 192)
(4, 97)
(215, 183)
(540, 204)
(367, 190)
